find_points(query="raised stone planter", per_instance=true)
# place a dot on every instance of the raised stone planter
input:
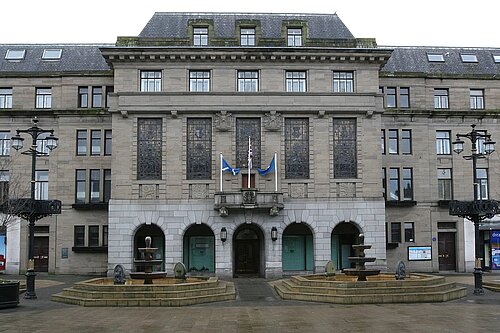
(9, 293)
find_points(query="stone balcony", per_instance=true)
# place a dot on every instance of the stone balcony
(225, 202)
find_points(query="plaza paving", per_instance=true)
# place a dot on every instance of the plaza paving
(256, 309)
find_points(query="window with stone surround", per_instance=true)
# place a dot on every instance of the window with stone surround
(343, 82)
(200, 36)
(199, 81)
(441, 98)
(296, 148)
(4, 143)
(5, 98)
(149, 148)
(296, 81)
(294, 37)
(83, 97)
(344, 148)
(151, 81)
(476, 99)
(443, 142)
(247, 36)
(97, 97)
(199, 148)
(43, 98)
(248, 81)
(99, 186)
(445, 184)
(79, 236)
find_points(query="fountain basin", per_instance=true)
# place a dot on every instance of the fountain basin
(382, 288)
(166, 291)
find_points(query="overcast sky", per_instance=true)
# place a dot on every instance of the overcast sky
(391, 22)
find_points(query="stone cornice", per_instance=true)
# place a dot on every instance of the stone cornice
(239, 54)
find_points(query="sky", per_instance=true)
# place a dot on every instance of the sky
(392, 22)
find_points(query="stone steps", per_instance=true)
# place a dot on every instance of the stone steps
(431, 289)
(222, 291)
(293, 286)
(493, 286)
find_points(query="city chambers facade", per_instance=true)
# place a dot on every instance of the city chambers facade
(350, 138)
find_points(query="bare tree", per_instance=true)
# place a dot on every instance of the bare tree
(12, 186)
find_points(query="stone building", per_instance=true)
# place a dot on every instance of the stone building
(146, 126)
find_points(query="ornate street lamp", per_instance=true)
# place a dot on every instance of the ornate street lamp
(32, 209)
(478, 209)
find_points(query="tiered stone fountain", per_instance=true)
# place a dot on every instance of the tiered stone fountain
(147, 264)
(177, 290)
(360, 260)
(352, 286)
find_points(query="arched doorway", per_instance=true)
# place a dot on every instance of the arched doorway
(248, 247)
(199, 249)
(297, 252)
(157, 240)
(344, 236)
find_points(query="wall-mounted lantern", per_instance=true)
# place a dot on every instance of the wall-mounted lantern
(274, 234)
(223, 234)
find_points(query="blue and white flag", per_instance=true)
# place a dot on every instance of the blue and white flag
(269, 169)
(227, 168)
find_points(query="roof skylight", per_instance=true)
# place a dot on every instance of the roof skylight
(468, 57)
(15, 54)
(496, 58)
(435, 57)
(52, 54)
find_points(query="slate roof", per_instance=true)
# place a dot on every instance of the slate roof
(74, 58)
(175, 25)
(408, 60)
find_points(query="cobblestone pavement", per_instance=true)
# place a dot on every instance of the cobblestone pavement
(256, 309)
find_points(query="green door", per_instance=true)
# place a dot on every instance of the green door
(298, 253)
(201, 254)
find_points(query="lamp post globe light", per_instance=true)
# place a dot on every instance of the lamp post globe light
(479, 209)
(33, 209)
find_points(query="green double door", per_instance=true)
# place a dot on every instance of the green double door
(201, 254)
(298, 253)
(341, 248)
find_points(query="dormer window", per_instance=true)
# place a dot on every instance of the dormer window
(200, 36)
(52, 54)
(247, 37)
(435, 57)
(294, 37)
(15, 54)
(468, 57)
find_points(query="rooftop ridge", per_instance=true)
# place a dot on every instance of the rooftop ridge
(245, 13)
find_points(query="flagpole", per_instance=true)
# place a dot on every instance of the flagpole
(221, 171)
(275, 172)
(249, 166)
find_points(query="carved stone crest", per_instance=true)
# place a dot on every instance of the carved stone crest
(272, 121)
(330, 268)
(223, 121)
(400, 270)
(180, 271)
(119, 275)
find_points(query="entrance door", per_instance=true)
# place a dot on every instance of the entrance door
(247, 251)
(41, 254)
(446, 251)
(247, 256)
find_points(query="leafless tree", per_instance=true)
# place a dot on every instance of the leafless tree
(12, 186)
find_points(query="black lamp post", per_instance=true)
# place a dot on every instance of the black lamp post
(477, 210)
(32, 210)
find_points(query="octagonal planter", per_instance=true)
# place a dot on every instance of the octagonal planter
(9, 293)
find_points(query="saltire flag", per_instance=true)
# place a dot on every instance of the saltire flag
(269, 169)
(227, 168)
(250, 154)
